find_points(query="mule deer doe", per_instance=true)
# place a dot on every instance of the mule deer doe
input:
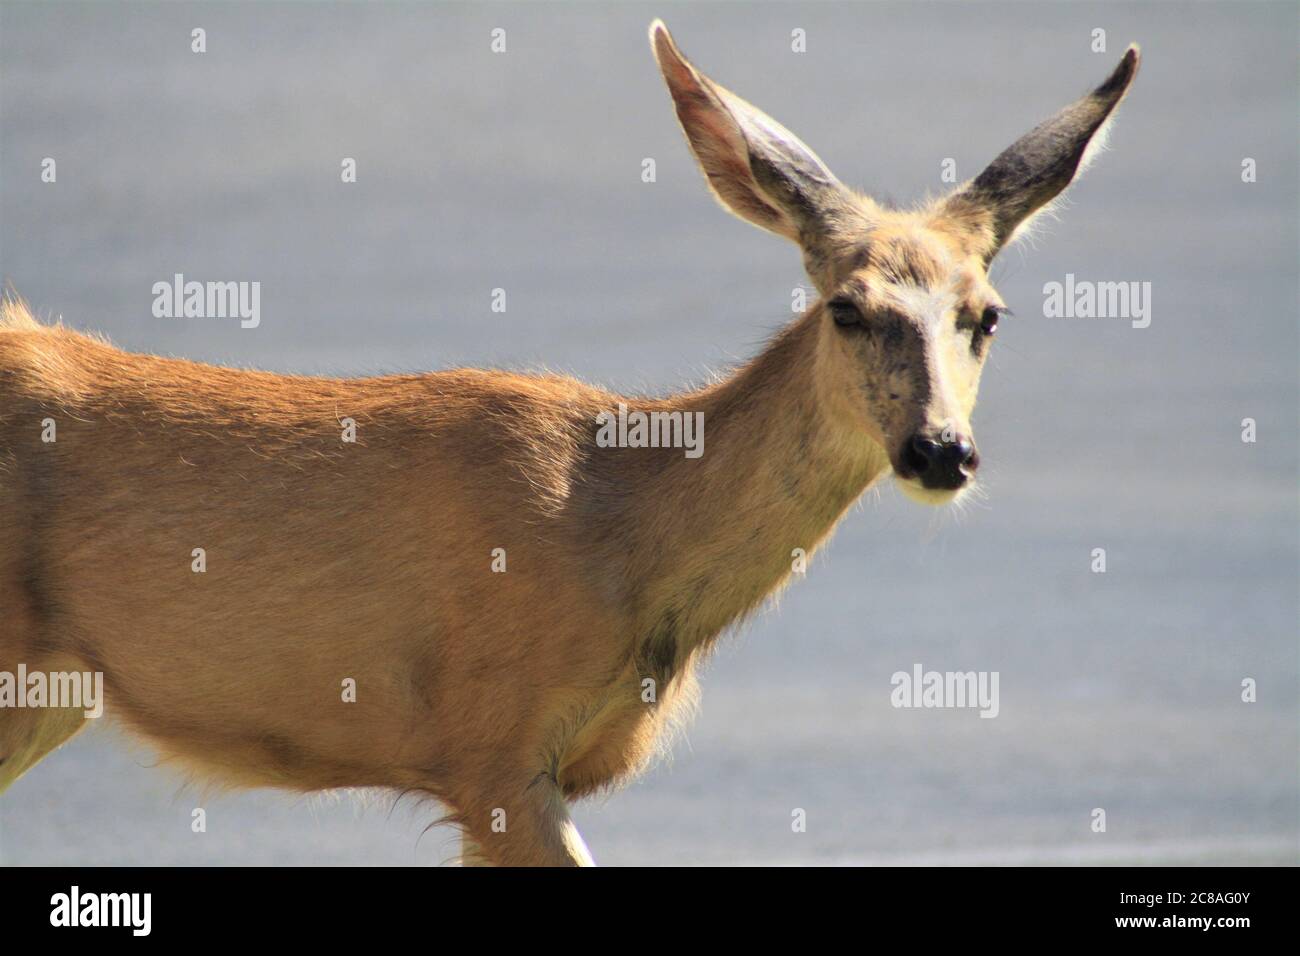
(501, 695)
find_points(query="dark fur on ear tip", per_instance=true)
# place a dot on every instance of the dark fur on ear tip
(1123, 74)
(1034, 170)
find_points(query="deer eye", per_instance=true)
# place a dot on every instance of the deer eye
(989, 321)
(844, 312)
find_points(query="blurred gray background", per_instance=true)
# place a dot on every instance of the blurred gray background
(1118, 690)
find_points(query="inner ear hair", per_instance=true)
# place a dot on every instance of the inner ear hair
(757, 168)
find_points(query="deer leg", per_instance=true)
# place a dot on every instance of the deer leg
(529, 827)
(27, 735)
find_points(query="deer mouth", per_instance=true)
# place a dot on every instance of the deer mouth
(935, 497)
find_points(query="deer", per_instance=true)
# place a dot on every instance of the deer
(502, 694)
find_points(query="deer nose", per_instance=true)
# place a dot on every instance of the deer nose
(941, 464)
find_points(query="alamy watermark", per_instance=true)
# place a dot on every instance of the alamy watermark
(208, 300)
(133, 911)
(75, 689)
(1085, 299)
(651, 430)
(946, 689)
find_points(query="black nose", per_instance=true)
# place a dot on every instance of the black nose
(940, 464)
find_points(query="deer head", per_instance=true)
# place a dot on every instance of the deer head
(906, 312)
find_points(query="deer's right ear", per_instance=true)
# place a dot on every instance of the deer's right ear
(756, 167)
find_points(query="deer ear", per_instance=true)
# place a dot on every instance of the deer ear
(1038, 166)
(756, 167)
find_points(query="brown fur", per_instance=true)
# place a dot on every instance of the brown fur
(512, 691)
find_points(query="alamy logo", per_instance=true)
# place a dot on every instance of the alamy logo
(1084, 299)
(76, 689)
(134, 910)
(651, 430)
(208, 300)
(943, 689)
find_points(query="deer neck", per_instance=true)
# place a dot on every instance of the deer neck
(777, 472)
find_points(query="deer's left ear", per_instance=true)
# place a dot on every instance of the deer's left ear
(756, 167)
(1038, 166)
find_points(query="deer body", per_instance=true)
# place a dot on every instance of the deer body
(501, 692)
